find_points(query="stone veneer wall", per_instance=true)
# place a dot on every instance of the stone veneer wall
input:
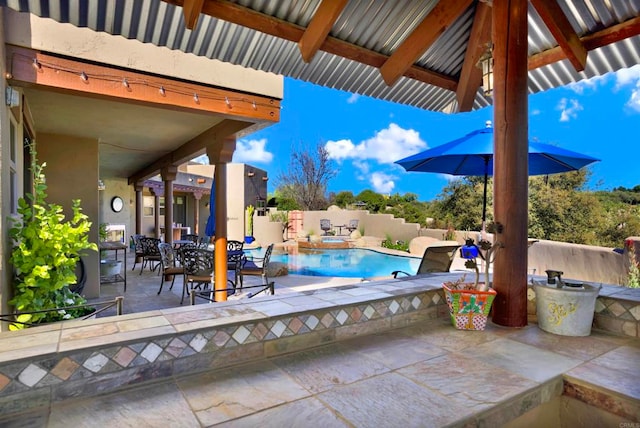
(81, 358)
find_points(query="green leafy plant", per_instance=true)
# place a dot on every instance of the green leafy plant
(250, 210)
(634, 267)
(394, 245)
(46, 250)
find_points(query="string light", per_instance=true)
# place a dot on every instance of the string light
(128, 83)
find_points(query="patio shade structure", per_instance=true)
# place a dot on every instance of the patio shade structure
(472, 155)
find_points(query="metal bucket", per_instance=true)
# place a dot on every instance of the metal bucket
(566, 311)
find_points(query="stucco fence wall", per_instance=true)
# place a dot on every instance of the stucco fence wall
(581, 262)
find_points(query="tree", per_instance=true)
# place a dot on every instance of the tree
(307, 177)
(375, 201)
(344, 199)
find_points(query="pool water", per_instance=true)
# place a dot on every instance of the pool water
(352, 262)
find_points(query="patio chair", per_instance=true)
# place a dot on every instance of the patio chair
(190, 237)
(325, 225)
(198, 268)
(257, 266)
(235, 258)
(168, 264)
(436, 258)
(353, 225)
(137, 246)
(150, 253)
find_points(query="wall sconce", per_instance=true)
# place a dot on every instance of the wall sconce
(486, 65)
(101, 185)
(201, 180)
(250, 174)
(265, 178)
(190, 180)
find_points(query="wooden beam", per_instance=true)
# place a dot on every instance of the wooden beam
(191, 10)
(561, 29)
(421, 39)
(613, 34)
(471, 75)
(239, 15)
(192, 148)
(319, 27)
(102, 81)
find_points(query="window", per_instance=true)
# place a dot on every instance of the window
(147, 206)
(161, 207)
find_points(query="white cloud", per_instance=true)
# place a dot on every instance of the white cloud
(386, 146)
(536, 112)
(362, 167)
(252, 151)
(634, 100)
(627, 76)
(353, 98)
(581, 86)
(569, 109)
(382, 183)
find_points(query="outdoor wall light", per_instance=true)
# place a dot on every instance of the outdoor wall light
(486, 65)
(250, 174)
(265, 178)
(101, 185)
(201, 180)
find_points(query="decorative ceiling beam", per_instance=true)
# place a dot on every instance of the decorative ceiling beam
(593, 41)
(192, 148)
(422, 37)
(191, 10)
(471, 76)
(319, 27)
(28, 67)
(245, 17)
(561, 29)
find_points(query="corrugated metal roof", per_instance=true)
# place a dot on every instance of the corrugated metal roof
(373, 24)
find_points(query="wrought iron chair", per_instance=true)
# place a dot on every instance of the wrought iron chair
(190, 237)
(353, 225)
(169, 265)
(137, 246)
(198, 268)
(325, 225)
(235, 257)
(257, 266)
(150, 253)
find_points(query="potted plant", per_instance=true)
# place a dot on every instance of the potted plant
(249, 236)
(470, 302)
(46, 249)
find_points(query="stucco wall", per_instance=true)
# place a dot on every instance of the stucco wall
(48, 35)
(72, 173)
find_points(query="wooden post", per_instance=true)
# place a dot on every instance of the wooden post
(168, 176)
(138, 187)
(510, 103)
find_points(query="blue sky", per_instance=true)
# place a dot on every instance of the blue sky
(599, 117)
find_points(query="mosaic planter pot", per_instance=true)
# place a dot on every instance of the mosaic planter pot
(469, 309)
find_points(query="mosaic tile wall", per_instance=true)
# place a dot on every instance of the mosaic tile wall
(36, 381)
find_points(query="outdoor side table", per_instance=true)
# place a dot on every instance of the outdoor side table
(115, 246)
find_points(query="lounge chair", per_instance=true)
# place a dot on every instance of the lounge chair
(436, 258)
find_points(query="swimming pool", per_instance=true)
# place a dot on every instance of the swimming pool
(352, 262)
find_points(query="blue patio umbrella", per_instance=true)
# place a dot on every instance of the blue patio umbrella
(473, 155)
(210, 229)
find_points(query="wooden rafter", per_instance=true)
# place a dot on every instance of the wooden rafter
(471, 75)
(191, 10)
(319, 27)
(605, 37)
(239, 15)
(567, 38)
(424, 35)
(192, 148)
